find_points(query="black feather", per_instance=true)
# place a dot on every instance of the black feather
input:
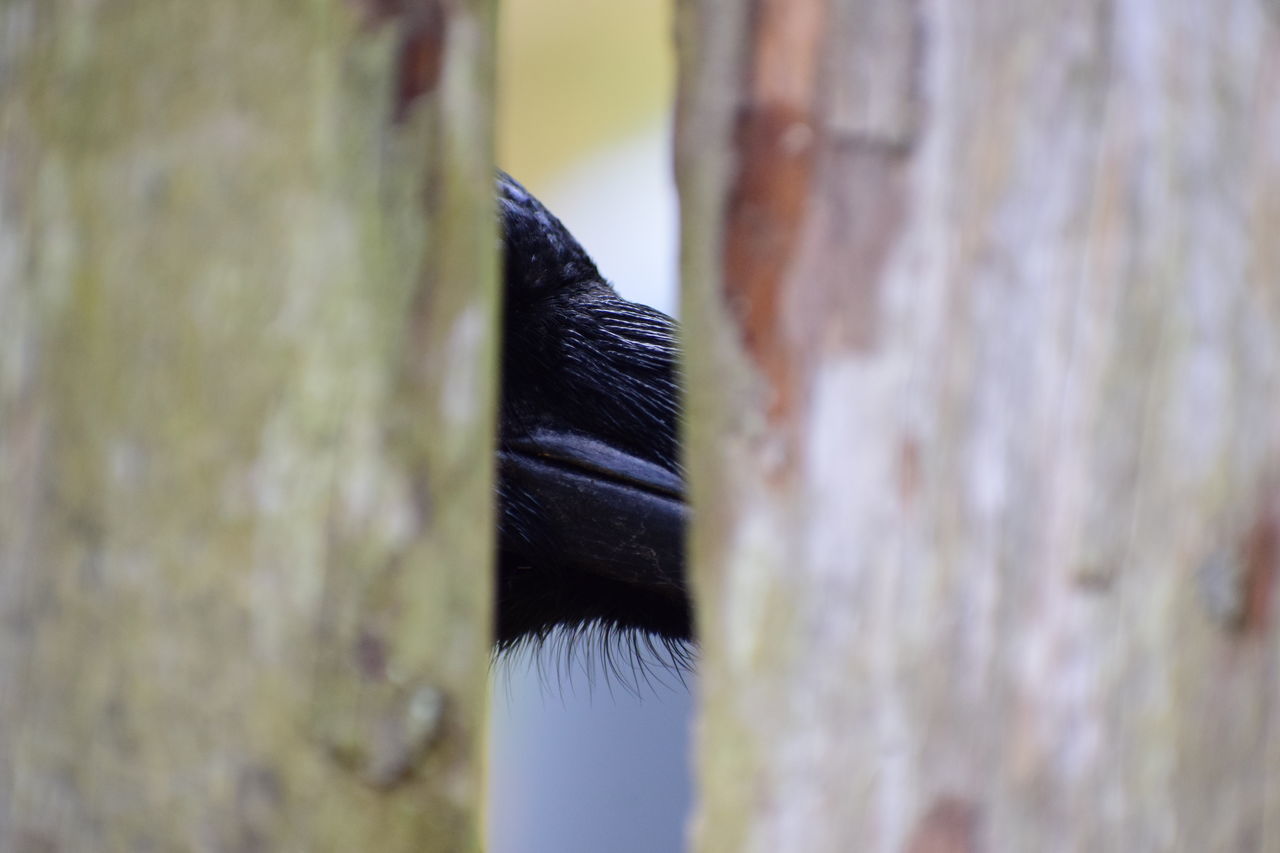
(590, 539)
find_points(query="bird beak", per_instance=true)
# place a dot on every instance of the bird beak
(602, 509)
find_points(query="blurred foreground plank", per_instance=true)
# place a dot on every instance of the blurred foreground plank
(247, 282)
(983, 323)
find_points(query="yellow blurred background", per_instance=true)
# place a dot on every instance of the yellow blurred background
(577, 75)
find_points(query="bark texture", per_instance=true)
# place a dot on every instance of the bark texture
(983, 328)
(246, 387)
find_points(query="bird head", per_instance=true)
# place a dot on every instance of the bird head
(592, 511)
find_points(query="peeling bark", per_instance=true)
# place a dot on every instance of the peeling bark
(986, 545)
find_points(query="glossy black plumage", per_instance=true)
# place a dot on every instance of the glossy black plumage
(592, 511)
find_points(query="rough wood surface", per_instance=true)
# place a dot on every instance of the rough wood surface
(246, 388)
(983, 327)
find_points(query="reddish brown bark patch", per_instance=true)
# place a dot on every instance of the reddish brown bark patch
(950, 826)
(420, 54)
(766, 211)
(1261, 553)
(776, 138)
(421, 57)
(818, 200)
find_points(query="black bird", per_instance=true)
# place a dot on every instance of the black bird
(592, 506)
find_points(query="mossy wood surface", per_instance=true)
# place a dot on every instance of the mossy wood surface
(247, 280)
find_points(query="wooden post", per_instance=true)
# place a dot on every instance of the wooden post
(247, 289)
(983, 328)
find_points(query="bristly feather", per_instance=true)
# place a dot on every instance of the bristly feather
(580, 359)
